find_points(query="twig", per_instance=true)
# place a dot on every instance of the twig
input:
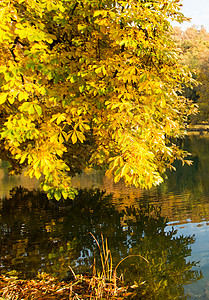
(72, 272)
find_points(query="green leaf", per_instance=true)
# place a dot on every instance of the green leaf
(65, 194)
(6, 133)
(81, 88)
(57, 195)
(38, 109)
(143, 77)
(81, 27)
(73, 79)
(31, 65)
(24, 106)
(31, 109)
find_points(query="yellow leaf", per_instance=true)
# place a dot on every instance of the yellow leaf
(3, 97)
(23, 96)
(37, 174)
(117, 178)
(11, 100)
(97, 13)
(125, 170)
(60, 118)
(74, 137)
(86, 126)
(23, 157)
(104, 70)
(80, 136)
(98, 70)
(59, 152)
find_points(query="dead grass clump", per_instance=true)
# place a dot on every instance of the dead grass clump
(46, 287)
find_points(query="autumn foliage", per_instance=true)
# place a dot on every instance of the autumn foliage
(194, 44)
(90, 84)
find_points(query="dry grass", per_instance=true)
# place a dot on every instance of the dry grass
(48, 288)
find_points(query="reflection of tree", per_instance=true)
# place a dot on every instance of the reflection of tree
(199, 146)
(184, 194)
(7, 182)
(191, 179)
(167, 271)
(35, 236)
(186, 178)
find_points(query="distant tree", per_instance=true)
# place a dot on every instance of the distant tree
(194, 44)
(90, 83)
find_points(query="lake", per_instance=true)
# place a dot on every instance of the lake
(168, 225)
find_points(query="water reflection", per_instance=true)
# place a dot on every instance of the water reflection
(168, 270)
(36, 236)
(7, 182)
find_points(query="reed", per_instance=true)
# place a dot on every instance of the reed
(106, 279)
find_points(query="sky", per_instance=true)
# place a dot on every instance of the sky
(198, 10)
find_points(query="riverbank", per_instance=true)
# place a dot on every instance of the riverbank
(201, 128)
(46, 287)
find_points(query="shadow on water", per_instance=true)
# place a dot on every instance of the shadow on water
(37, 236)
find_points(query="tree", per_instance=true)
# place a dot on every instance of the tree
(194, 44)
(90, 83)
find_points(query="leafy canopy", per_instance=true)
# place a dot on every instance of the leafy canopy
(194, 44)
(90, 83)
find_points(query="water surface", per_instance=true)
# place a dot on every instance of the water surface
(168, 225)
